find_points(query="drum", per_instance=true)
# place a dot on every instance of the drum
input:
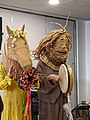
(66, 78)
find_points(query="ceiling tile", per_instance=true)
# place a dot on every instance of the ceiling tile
(78, 8)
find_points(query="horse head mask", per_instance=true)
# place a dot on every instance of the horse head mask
(16, 49)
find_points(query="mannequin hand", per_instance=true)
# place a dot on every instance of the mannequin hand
(53, 77)
(11, 71)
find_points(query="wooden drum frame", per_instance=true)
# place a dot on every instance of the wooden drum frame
(66, 78)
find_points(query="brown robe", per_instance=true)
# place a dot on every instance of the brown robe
(51, 99)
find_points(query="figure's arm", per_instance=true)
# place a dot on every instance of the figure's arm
(46, 85)
(53, 77)
(5, 81)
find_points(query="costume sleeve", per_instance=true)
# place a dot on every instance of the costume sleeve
(48, 92)
(5, 81)
(45, 85)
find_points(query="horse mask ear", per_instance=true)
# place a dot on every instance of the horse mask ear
(23, 27)
(9, 31)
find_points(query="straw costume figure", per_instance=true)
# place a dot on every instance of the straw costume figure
(15, 58)
(51, 52)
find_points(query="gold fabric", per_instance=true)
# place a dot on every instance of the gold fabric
(13, 98)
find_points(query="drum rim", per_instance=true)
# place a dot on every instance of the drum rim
(70, 78)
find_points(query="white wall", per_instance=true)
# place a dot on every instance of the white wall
(84, 60)
(88, 60)
(36, 28)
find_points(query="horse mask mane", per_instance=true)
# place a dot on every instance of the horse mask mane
(15, 48)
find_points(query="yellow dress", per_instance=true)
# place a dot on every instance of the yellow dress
(13, 98)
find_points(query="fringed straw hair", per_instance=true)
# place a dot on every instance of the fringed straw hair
(50, 38)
